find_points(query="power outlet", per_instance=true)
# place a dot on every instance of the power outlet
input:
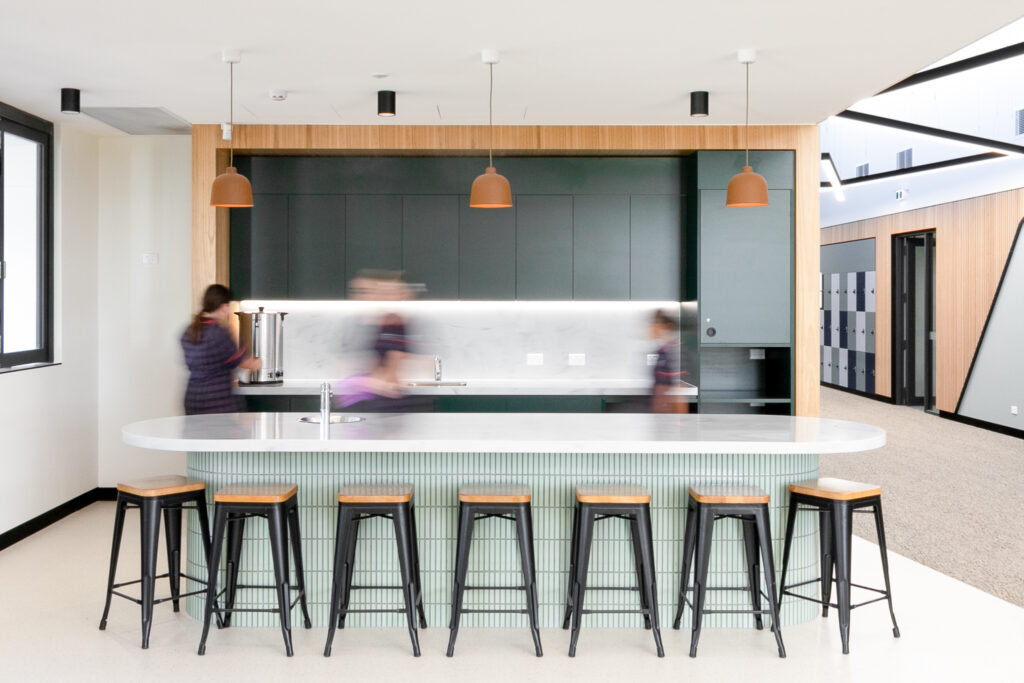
(1013, 410)
(535, 359)
(756, 354)
(652, 359)
(577, 359)
(150, 259)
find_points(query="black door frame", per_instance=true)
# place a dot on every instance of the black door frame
(903, 309)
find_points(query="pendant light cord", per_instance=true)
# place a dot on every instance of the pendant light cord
(231, 113)
(490, 119)
(746, 121)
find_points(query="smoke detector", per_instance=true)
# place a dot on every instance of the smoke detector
(279, 95)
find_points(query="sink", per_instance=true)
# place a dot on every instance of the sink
(434, 383)
(335, 419)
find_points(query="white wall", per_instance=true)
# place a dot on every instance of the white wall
(48, 415)
(145, 194)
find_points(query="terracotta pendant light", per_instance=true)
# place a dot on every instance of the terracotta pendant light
(490, 190)
(746, 187)
(231, 189)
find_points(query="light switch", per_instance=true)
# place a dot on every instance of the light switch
(150, 258)
(577, 359)
(652, 359)
(535, 359)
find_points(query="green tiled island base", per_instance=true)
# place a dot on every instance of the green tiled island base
(495, 558)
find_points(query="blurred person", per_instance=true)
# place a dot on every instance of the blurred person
(667, 371)
(381, 386)
(212, 355)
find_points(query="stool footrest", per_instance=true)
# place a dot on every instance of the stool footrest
(612, 588)
(372, 611)
(363, 588)
(493, 611)
(737, 611)
(494, 588)
(615, 611)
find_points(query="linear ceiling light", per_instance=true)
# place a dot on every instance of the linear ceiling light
(490, 190)
(231, 189)
(746, 187)
(828, 167)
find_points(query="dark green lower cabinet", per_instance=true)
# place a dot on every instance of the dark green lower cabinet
(445, 404)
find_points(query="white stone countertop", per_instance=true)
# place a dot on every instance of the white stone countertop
(508, 433)
(487, 387)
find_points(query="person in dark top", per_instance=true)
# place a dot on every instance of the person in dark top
(667, 371)
(212, 355)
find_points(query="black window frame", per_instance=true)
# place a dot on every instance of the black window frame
(33, 128)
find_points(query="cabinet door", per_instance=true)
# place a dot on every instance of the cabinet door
(487, 253)
(543, 247)
(600, 269)
(655, 247)
(430, 243)
(269, 249)
(746, 270)
(316, 247)
(373, 233)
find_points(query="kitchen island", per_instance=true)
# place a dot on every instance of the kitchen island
(551, 453)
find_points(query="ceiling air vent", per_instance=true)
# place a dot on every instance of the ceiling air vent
(905, 158)
(140, 120)
(1019, 128)
(862, 170)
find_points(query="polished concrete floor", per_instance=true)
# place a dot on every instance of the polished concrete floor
(52, 596)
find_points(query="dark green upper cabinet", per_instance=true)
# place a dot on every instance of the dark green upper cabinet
(715, 169)
(600, 269)
(593, 228)
(746, 270)
(487, 253)
(316, 247)
(655, 247)
(430, 244)
(373, 233)
(543, 247)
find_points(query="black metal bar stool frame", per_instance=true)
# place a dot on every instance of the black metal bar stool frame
(150, 508)
(639, 517)
(404, 518)
(700, 521)
(283, 525)
(836, 537)
(522, 516)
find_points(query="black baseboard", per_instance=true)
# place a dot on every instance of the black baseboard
(982, 424)
(58, 513)
(858, 392)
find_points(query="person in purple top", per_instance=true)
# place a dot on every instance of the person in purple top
(212, 355)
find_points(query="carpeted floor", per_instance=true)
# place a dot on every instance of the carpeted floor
(952, 494)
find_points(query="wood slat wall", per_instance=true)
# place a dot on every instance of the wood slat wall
(972, 242)
(210, 155)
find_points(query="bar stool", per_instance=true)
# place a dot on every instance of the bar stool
(511, 502)
(169, 494)
(596, 503)
(836, 500)
(278, 504)
(706, 505)
(364, 501)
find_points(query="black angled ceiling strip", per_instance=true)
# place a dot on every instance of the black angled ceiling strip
(986, 156)
(928, 130)
(956, 67)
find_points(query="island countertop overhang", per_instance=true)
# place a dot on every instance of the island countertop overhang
(507, 433)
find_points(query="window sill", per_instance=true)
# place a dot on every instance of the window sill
(27, 366)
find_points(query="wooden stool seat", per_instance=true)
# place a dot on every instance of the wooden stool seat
(835, 489)
(729, 494)
(255, 493)
(614, 494)
(375, 493)
(494, 493)
(165, 485)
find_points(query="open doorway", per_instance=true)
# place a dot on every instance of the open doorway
(913, 319)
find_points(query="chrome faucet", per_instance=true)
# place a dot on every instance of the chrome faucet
(437, 368)
(325, 410)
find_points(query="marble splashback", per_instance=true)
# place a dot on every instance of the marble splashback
(491, 339)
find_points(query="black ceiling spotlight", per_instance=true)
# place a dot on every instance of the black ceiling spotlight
(699, 103)
(385, 103)
(70, 101)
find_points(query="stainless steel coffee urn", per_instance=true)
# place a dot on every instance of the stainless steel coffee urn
(262, 333)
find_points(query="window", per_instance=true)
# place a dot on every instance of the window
(905, 158)
(26, 237)
(1019, 120)
(862, 170)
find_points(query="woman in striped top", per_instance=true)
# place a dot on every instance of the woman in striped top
(212, 355)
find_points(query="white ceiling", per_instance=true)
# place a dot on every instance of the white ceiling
(563, 61)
